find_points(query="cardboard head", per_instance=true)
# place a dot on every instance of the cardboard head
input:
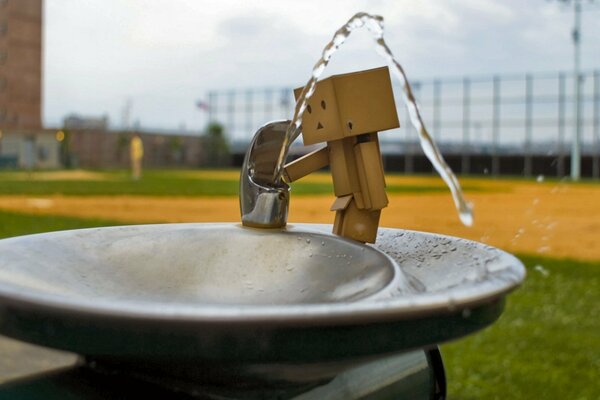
(320, 121)
(349, 105)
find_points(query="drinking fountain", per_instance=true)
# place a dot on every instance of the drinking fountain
(259, 310)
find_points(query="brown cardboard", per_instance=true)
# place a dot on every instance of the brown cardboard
(343, 167)
(357, 224)
(320, 121)
(348, 105)
(347, 111)
(341, 203)
(362, 178)
(366, 101)
(363, 100)
(376, 140)
(369, 165)
(306, 164)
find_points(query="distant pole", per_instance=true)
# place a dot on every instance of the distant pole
(576, 144)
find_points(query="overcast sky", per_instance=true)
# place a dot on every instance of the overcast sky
(165, 55)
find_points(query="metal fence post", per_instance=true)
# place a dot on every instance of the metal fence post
(212, 106)
(437, 93)
(408, 156)
(528, 168)
(560, 171)
(230, 114)
(495, 126)
(268, 97)
(285, 103)
(249, 119)
(466, 122)
(596, 149)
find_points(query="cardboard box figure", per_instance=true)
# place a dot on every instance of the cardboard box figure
(346, 111)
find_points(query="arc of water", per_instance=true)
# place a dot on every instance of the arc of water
(374, 23)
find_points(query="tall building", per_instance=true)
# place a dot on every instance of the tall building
(20, 64)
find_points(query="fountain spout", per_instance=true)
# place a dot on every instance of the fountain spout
(263, 200)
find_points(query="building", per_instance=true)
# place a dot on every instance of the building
(20, 64)
(76, 121)
(31, 149)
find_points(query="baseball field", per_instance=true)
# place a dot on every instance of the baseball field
(546, 344)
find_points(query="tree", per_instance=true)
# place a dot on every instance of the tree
(216, 146)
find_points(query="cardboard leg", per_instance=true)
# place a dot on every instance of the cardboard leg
(360, 225)
(337, 223)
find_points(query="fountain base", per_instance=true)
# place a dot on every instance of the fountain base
(415, 375)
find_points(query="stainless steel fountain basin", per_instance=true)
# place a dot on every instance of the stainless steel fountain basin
(247, 301)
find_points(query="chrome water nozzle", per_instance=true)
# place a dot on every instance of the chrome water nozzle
(263, 200)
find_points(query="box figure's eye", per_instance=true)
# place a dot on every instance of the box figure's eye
(323, 105)
(350, 125)
(309, 109)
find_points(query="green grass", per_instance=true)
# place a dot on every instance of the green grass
(16, 224)
(546, 345)
(118, 183)
(173, 183)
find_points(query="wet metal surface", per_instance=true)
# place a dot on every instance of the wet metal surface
(263, 203)
(252, 303)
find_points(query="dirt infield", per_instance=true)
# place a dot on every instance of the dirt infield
(553, 219)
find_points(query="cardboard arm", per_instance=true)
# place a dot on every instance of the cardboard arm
(306, 164)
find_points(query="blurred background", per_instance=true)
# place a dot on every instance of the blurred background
(509, 90)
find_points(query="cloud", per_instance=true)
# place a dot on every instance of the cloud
(166, 54)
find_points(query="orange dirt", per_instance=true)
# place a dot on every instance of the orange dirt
(558, 220)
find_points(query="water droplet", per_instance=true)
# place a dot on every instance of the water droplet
(543, 249)
(541, 270)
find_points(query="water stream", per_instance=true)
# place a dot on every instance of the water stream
(374, 24)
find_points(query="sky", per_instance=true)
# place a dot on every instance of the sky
(162, 56)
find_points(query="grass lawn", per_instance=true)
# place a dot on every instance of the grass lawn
(545, 346)
(173, 183)
(16, 224)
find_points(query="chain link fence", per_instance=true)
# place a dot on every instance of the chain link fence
(481, 123)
